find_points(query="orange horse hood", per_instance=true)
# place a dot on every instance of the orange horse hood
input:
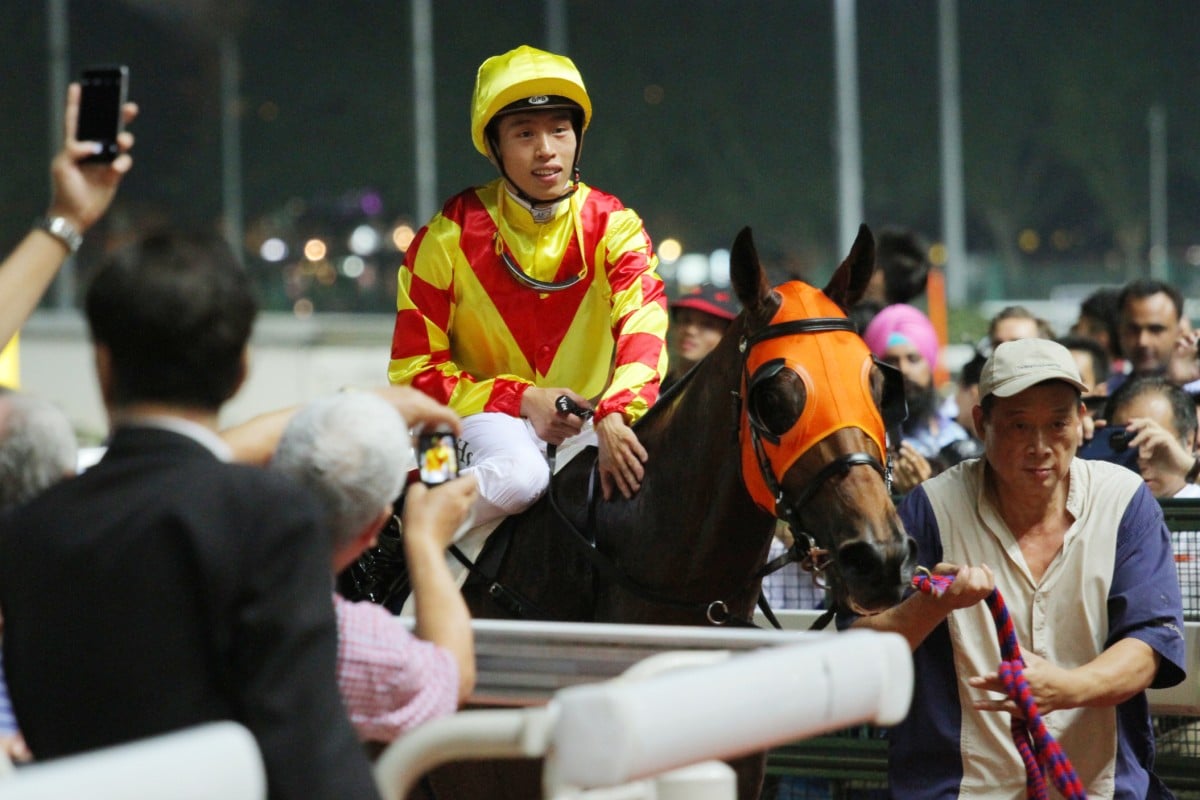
(835, 368)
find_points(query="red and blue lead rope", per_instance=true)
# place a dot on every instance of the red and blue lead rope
(1039, 751)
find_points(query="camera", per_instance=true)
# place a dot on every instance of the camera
(1111, 444)
(437, 457)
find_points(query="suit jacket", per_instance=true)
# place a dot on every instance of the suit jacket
(164, 588)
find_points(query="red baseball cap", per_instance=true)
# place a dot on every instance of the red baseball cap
(711, 300)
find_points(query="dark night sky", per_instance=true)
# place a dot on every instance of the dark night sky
(709, 115)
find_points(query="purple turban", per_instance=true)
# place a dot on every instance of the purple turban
(902, 323)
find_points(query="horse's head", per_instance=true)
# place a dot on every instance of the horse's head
(812, 424)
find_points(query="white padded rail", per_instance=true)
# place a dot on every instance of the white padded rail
(217, 760)
(619, 731)
(672, 708)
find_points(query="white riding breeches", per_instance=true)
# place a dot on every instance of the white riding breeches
(508, 461)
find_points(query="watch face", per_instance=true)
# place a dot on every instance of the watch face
(64, 231)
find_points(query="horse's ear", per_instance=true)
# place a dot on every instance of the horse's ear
(746, 274)
(850, 279)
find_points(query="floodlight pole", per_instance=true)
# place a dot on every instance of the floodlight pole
(849, 137)
(953, 212)
(423, 109)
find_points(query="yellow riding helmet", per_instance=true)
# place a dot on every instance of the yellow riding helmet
(521, 74)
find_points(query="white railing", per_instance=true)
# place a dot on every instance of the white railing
(675, 710)
(219, 760)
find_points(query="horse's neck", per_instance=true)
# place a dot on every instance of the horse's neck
(693, 441)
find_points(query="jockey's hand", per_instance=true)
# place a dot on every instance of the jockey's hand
(621, 457)
(1048, 683)
(537, 406)
(418, 408)
(971, 584)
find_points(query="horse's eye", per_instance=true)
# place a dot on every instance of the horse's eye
(777, 398)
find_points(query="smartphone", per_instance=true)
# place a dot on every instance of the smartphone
(104, 91)
(1111, 444)
(437, 457)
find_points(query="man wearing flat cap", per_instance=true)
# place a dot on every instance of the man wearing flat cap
(1082, 558)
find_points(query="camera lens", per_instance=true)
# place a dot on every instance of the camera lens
(1119, 441)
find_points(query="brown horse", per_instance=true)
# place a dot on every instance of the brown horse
(781, 419)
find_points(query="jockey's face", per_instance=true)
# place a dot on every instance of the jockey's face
(537, 149)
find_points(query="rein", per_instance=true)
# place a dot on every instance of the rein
(1036, 746)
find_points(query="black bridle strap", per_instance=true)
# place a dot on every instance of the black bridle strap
(796, 326)
(839, 466)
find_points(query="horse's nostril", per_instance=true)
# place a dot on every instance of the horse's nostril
(859, 561)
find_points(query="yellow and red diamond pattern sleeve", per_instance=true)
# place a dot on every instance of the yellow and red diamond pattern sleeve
(425, 308)
(639, 318)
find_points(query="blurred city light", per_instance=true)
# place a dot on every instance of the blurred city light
(692, 269)
(314, 249)
(669, 250)
(364, 240)
(402, 237)
(1029, 241)
(353, 266)
(273, 249)
(938, 254)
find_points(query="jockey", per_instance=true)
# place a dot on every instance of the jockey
(533, 286)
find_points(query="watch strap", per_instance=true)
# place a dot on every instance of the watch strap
(62, 229)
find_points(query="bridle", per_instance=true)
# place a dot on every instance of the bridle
(812, 558)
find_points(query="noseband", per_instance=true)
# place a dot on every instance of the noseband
(812, 557)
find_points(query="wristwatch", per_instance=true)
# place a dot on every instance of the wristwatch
(62, 229)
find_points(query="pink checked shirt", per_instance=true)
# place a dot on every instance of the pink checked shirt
(390, 680)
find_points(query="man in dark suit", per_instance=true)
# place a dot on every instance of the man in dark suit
(165, 588)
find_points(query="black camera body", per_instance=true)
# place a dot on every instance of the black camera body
(1111, 444)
